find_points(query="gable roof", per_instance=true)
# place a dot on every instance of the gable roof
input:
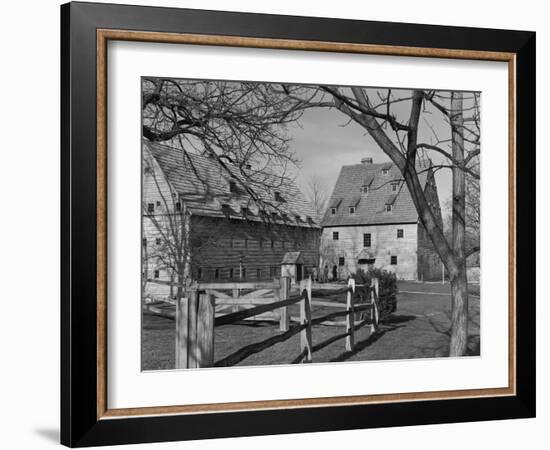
(371, 208)
(203, 184)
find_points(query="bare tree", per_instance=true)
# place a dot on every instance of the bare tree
(399, 139)
(317, 193)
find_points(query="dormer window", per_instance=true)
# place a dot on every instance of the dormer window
(389, 207)
(332, 211)
(385, 171)
(394, 187)
(352, 210)
(365, 189)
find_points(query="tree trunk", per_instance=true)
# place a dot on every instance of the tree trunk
(459, 283)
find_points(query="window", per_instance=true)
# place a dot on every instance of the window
(156, 274)
(144, 242)
(399, 233)
(216, 274)
(365, 189)
(385, 171)
(394, 187)
(352, 210)
(157, 241)
(333, 211)
(341, 261)
(389, 208)
(231, 273)
(150, 207)
(199, 273)
(366, 240)
(335, 235)
(178, 206)
(158, 203)
(393, 260)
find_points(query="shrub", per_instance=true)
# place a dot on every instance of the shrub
(387, 289)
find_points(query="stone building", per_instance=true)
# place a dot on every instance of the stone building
(201, 222)
(371, 215)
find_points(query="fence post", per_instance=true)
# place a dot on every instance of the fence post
(284, 289)
(192, 354)
(374, 313)
(205, 330)
(305, 317)
(350, 317)
(182, 332)
(235, 307)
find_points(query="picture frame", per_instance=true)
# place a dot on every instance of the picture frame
(86, 418)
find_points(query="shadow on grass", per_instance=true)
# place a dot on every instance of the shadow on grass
(361, 345)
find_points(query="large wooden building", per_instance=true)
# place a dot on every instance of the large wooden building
(212, 221)
(371, 215)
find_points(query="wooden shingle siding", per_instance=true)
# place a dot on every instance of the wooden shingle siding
(253, 257)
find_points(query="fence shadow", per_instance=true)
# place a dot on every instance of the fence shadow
(361, 345)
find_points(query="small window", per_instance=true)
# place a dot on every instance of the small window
(178, 206)
(394, 187)
(158, 203)
(385, 171)
(335, 235)
(399, 233)
(150, 207)
(393, 260)
(341, 261)
(216, 274)
(352, 210)
(231, 273)
(156, 274)
(333, 211)
(365, 189)
(366, 240)
(144, 242)
(389, 208)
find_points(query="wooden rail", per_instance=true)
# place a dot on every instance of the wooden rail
(196, 319)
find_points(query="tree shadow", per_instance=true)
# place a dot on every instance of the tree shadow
(361, 345)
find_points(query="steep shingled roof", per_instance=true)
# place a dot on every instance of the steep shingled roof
(371, 209)
(204, 185)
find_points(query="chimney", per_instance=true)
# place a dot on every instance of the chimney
(367, 161)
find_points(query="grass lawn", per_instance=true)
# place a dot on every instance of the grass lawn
(418, 329)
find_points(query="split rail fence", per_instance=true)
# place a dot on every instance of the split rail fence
(202, 308)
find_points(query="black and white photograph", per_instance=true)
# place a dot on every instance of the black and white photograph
(289, 224)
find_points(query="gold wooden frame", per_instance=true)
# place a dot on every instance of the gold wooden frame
(103, 36)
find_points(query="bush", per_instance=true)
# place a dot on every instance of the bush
(387, 289)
